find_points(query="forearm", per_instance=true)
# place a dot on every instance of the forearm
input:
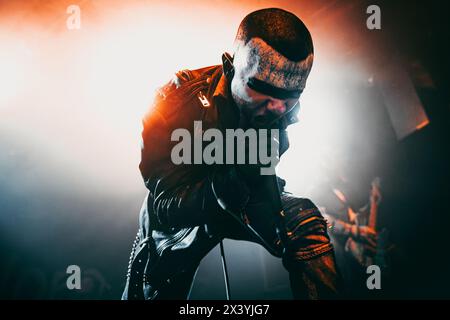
(185, 202)
(341, 228)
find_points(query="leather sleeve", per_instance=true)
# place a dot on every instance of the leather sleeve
(306, 229)
(183, 195)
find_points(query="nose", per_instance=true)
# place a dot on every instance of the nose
(276, 106)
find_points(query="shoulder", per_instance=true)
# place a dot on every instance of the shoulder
(293, 203)
(306, 204)
(186, 81)
(183, 90)
(177, 101)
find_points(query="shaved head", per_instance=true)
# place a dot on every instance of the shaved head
(273, 55)
(280, 29)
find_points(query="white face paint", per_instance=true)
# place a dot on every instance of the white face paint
(257, 59)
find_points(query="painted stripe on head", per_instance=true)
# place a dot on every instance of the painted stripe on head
(259, 60)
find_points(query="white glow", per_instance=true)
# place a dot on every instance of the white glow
(320, 138)
(79, 99)
(15, 68)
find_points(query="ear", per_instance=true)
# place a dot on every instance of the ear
(227, 65)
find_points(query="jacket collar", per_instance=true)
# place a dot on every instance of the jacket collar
(222, 87)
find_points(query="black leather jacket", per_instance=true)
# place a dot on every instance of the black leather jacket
(183, 194)
(188, 208)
